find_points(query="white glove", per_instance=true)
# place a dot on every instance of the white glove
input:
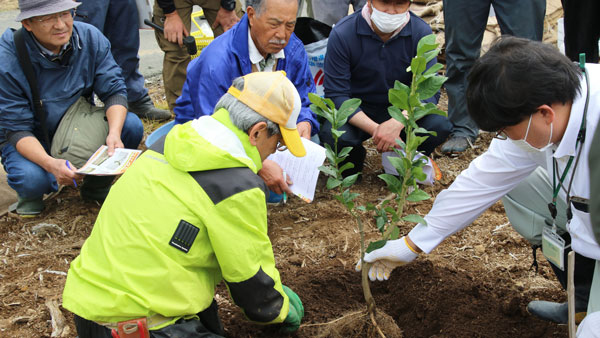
(391, 255)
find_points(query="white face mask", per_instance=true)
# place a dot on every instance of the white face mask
(388, 23)
(525, 146)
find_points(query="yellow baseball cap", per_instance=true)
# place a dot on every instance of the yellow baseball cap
(274, 96)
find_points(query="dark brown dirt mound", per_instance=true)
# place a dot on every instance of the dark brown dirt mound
(425, 300)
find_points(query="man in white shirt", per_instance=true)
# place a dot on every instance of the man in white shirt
(534, 98)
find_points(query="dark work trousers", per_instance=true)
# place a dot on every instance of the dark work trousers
(465, 22)
(209, 326)
(584, 273)
(354, 137)
(118, 20)
(582, 31)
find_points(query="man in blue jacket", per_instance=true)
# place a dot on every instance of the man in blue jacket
(263, 40)
(366, 53)
(69, 60)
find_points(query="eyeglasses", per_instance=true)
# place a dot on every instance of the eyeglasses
(51, 20)
(281, 146)
(501, 135)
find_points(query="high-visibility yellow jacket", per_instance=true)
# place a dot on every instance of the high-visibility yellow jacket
(134, 265)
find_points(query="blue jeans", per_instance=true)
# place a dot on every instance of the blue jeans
(465, 22)
(30, 180)
(118, 20)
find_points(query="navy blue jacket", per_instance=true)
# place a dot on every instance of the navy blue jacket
(226, 58)
(358, 64)
(90, 68)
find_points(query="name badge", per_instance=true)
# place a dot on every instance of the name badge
(553, 247)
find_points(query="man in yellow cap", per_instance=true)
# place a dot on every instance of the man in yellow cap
(176, 224)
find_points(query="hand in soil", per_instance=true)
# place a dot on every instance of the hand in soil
(296, 312)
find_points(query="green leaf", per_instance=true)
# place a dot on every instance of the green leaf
(330, 104)
(348, 181)
(395, 233)
(418, 195)
(346, 109)
(333, 183)
(433, 69)
(398, 163)
(421, 130)
(396, 113)
(375, 245)
(337, 133)
(426, 44)
(415, 219)
(328, 170)
(380, 223)
(331, 157)
(346, 166)
(371, 206)
(431, 55)
(399, 98)
(353, 196)
(400, 143)
(418, 173)
(418, 65)
(350, 205)
(401, 86)
(393, 183)
(430, 87)
(344, 152)
(361, 208)
(415, 101)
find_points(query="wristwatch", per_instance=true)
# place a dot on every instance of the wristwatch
(228, 5)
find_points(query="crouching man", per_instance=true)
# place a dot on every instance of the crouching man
(68, 61)
(176, 224)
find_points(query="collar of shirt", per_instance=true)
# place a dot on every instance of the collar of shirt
(367, 16)
(567, 145)
(256, 57)
(47, 53)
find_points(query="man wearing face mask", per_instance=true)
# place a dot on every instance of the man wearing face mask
(535, 99)
(366, 53)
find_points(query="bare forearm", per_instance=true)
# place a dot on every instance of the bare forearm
(33, 150)
(115, 116)
(362, 121)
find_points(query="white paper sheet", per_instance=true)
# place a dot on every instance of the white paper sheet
(303, 171)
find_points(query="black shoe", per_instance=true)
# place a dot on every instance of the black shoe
(553, 312)
(456, 144)
(144, 108)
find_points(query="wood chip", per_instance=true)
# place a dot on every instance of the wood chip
(59, 326)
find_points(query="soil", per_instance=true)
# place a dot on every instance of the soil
(477, 283)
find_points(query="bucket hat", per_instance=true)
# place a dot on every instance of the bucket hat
(31, 8)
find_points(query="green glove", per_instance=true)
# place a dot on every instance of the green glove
(296, 312)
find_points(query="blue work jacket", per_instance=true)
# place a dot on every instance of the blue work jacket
(360, 65)
(90, 68)
(226, 58)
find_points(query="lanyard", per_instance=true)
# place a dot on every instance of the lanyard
(580, 140)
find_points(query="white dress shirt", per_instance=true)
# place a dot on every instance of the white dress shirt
(503, 166)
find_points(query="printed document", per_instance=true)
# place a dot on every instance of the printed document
(303, 171)
(100, 164)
